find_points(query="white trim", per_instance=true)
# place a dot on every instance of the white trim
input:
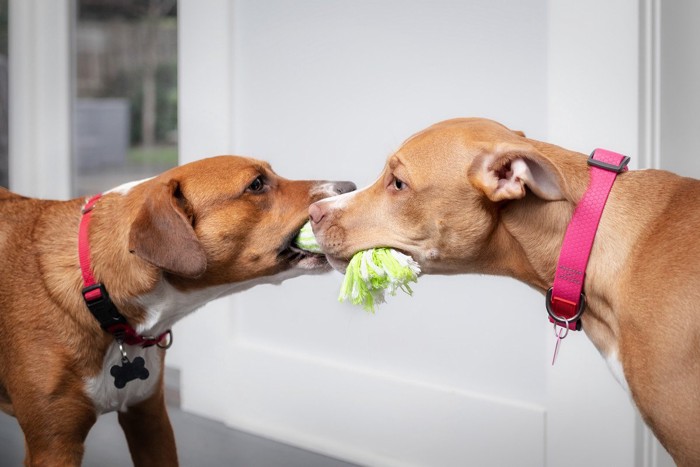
(437, 420)
(40, 97)
(650, 83)
(649, 124)
(649, 452)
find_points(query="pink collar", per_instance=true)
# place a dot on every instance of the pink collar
(97, 299)
(565, 300)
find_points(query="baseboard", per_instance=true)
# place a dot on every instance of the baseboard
(172, 382)
(369, 417)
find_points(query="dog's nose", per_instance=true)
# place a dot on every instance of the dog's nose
(316, 213)
(344, 187)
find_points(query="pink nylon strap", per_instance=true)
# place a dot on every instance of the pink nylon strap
(565, 301)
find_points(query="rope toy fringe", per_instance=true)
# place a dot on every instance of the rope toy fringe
(370, 273)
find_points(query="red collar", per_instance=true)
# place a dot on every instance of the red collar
(97, 299)
(565, 300)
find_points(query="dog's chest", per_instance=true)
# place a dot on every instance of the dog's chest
(107, 397)
(163, 306)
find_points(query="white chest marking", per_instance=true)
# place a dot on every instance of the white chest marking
(164, 306)
(616, 369)
(106, 396)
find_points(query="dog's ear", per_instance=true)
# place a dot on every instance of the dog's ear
(519, 133)
(504, 173)
(162, 233)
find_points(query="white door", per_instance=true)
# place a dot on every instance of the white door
(459, 374)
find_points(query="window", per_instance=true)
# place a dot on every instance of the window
(125, 121)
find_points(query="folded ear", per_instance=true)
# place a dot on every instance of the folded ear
(504, 173)
(163, 235)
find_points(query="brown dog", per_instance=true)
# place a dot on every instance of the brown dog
(472, 196)
(162, 248)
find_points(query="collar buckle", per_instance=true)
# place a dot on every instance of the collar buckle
(619, 168)
(557, 319)
(90, 204)
(101, 306)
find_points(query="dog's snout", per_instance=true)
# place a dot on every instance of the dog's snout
(321, 209)
(344, 187)
(316, 213)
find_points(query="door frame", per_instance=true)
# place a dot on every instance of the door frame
(41, 96)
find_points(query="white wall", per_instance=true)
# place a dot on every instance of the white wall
(458, 374)
(328, 89)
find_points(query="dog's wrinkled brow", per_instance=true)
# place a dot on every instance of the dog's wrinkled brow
(394, 162)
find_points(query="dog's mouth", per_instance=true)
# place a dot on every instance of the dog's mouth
(296, 257)
(339, 264)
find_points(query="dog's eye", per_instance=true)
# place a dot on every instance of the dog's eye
(398, 184)
(257, 185)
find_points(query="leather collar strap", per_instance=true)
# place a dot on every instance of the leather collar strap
(96, 297)
(565, 300)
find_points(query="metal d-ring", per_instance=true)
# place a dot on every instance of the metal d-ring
(556, 317)
(558, 332)
(169, 336)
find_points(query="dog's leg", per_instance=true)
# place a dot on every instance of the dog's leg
(55, 431)
(148, 432)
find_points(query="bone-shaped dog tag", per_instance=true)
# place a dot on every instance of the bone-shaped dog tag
(129, 371)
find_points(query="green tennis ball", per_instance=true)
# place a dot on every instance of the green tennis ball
(306, 241)
(373, 272)
(370, 273)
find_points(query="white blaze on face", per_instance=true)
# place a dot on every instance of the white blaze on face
(327, 189)
(340, 201)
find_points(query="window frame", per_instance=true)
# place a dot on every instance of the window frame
(41, 90)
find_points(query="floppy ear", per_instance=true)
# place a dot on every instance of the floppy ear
(504, 173)
(162, 233)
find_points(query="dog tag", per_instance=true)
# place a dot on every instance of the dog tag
(129, 371)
